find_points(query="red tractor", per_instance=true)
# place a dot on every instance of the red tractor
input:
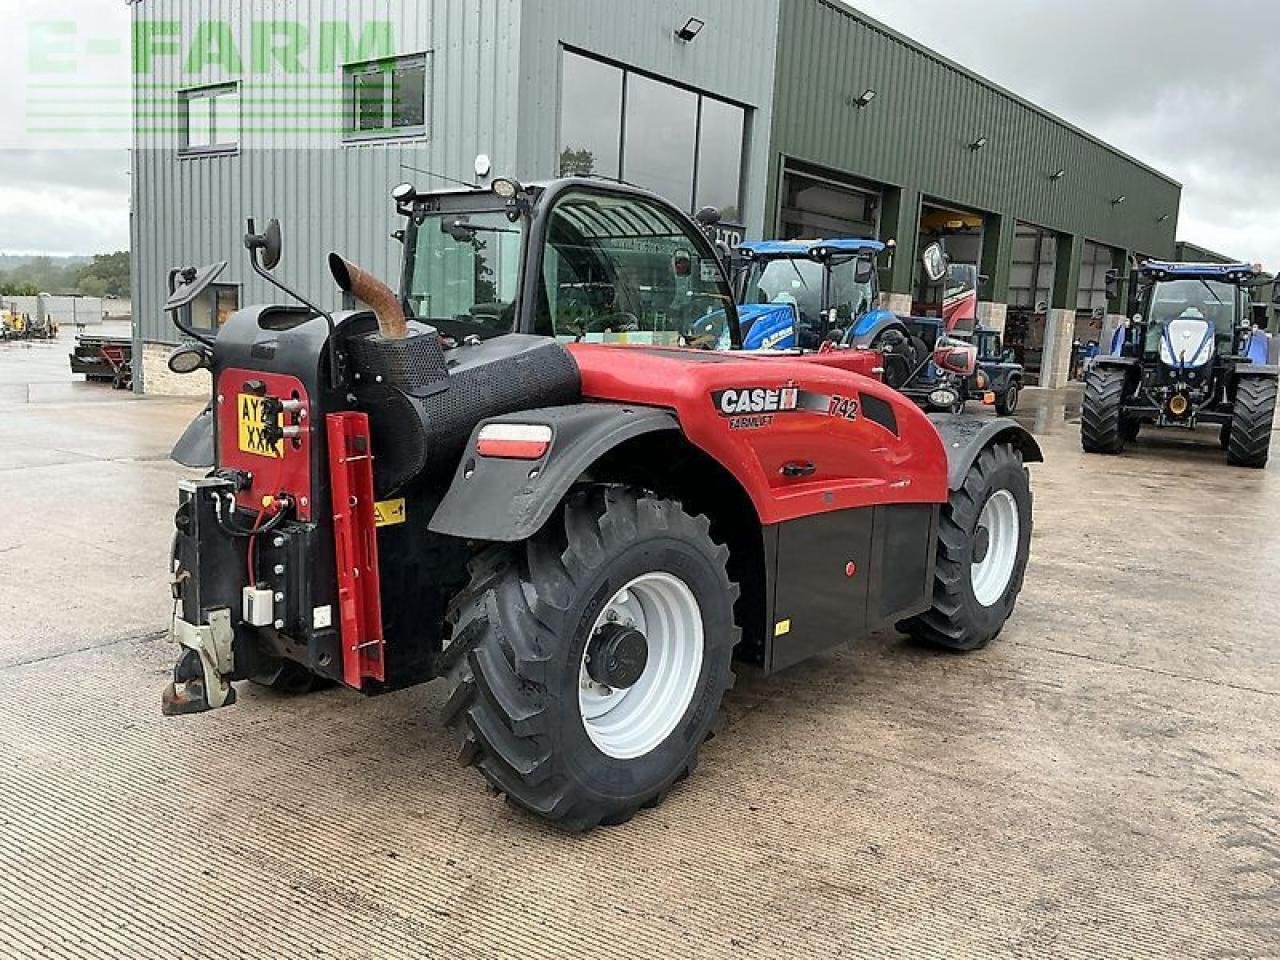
(509, 475)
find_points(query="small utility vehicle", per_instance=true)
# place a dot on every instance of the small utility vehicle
(1184, 361)
(507, 475)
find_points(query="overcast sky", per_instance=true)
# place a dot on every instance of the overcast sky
(1185, 86)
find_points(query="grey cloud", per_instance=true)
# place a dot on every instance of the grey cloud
(1187, 87)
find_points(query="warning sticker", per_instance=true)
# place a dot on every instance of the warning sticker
(253, 423)
(390, 513)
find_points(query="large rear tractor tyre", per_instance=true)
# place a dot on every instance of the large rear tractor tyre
(1249, 442)
(984, 542)
(1101, 419)
(587, 665)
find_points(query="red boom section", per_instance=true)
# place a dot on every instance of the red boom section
(802, 435)
(356, 546)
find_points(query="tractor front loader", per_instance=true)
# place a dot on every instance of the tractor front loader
(508, 475)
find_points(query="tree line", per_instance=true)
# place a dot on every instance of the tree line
(105, 275)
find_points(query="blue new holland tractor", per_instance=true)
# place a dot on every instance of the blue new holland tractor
(1188, 357)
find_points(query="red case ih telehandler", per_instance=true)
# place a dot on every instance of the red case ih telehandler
(511, 476)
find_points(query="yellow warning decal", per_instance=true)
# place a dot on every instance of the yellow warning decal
(390, 513)
(782, 628)
(253, 422)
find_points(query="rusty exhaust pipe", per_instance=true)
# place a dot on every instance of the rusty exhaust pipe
(369, 290)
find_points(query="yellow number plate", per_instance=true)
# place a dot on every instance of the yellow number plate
(390, 513)
(252, 425)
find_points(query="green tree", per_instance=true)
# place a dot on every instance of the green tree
(106, 276)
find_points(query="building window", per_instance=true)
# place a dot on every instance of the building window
(210, 119)
(387, 98)
(214, 307)
(681, 144)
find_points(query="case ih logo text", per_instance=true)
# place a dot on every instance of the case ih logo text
(753, 408)
(732, 403)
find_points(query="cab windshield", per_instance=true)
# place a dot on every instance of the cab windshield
(466, 272)
(799, 281)
(1210, 300)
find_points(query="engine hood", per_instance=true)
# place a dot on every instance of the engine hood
(1187, 343)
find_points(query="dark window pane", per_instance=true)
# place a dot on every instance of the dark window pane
(409, 95)
(720, 158)
(620, 270)
(369, 99)
(590, 117)
(227, 302)
(661, 126)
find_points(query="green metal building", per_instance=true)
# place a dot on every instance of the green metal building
(796, 118)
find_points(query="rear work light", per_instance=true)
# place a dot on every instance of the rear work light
(514, 441)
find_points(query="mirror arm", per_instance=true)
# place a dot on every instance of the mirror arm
(335, 379)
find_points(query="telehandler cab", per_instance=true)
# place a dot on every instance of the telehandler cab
(479, 479)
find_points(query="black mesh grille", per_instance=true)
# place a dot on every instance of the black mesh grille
(415, 364)
(424, 435)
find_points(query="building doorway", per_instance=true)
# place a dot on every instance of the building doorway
(1035, 252)
(955, 297)
(816, 207)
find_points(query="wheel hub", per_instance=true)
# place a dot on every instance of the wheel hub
(617, 656)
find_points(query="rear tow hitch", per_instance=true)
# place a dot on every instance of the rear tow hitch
(199, 682)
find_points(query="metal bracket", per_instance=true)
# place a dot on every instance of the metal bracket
(213, 645)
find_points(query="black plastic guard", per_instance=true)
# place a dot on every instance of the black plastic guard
(966, 436)
(506, 501)
(195, 447)
(1256, 372)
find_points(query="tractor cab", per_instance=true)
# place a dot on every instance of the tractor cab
(1186, 316)
(802, 293)
(611, 266)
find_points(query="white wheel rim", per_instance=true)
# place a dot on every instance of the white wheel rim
(991, 576)
(626, 724)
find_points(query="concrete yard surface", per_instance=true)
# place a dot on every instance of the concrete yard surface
(1103, 781)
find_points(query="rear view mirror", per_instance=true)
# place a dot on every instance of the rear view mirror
(1113, 284)
(955, 356)
(269, 244)
(707, 216)
(864, 270)
(1275, 294)
(187, 284)
(934, 261)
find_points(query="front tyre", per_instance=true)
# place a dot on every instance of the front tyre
(1249, 439)
(984, 542)
(1101, 417)
(587, 665)
(1007, 403)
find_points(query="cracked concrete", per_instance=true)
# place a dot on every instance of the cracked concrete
(1103, 781)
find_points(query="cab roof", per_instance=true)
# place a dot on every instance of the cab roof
(1153, 270)
(815, 249)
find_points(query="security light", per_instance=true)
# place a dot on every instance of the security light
(1058, 174)
(1163, 219)
(978, 144)
(867, 96)
(689, 32)
(1119, 200)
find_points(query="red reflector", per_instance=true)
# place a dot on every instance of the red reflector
(514, 441)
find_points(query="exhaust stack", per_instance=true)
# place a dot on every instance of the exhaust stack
(368, 289)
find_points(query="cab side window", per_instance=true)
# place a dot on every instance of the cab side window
(620, 269)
